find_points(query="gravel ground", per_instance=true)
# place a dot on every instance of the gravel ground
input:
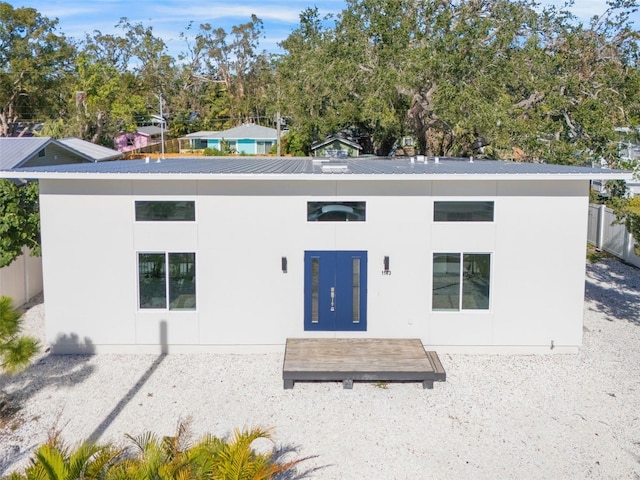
(496, 417)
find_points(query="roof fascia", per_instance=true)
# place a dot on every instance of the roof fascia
(149, 176)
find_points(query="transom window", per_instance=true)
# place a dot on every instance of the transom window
(461, 281)
(167, 281)
(463, 211)
(165, 211)
(336, 211)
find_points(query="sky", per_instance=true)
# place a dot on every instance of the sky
(170, 17)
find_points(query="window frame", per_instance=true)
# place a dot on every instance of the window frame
(461, 282)
(163, 220)
(437, 214)
(168, 294)
(342, 206)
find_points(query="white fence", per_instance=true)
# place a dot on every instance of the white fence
(22, 280)
(610, 237)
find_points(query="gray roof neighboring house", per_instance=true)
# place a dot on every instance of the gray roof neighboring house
(23, 151)
(334, 138)
(93, 152)
(304, 168)
(150, 130)
(249, 130)
(15, 152)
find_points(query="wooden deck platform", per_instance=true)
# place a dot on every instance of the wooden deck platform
(359, 359)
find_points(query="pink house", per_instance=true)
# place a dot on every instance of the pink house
(143, 137)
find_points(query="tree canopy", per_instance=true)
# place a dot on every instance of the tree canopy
(490, 78)
(19, 220)
(495, 78)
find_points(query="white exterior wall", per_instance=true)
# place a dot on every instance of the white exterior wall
(243, 228)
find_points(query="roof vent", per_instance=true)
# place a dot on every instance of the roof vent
(335, 168)
(471, 159)
(436, 159)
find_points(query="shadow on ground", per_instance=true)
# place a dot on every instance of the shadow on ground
(287, 453)
(49, 371)
(614, 288)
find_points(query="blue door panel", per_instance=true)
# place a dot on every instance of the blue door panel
(332, 301)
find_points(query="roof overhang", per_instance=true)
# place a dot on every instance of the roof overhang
(308, 169)
(346, 177)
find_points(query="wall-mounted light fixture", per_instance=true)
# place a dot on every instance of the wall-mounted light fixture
(386, 270)
(283, 263)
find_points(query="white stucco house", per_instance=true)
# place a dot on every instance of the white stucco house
(239, 254)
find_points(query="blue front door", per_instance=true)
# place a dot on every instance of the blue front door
(335, 290)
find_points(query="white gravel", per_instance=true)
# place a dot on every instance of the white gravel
(496, 417)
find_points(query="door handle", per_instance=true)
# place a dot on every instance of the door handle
(333, 299)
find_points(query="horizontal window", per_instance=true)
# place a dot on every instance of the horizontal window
(461, 281)
(167, 280)
(463, 211)
(165, 211)
(336, 211)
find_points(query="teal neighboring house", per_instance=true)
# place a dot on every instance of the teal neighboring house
(335, 146)
(249, 139)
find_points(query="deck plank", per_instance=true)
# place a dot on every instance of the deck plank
(348, 359)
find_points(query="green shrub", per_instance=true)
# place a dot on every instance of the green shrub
(16, 351)
(154, 457)
(213, 152)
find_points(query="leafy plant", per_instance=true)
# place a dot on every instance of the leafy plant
(213, 152)
(628, 213)
(15, 351)
(19, 220)
(152, 457)
(56, 461)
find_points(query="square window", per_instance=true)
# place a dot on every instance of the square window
(157, 283)
(461, 281)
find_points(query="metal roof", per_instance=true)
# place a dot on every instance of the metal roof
(291, 168)
(16, 150)
(93, 152)
(334, 138)
(249, 130)
(150, 130)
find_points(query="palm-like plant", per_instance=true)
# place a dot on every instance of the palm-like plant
(56, 461)
(15, 351)
(177, 458)
(235, 459)
(158, 458)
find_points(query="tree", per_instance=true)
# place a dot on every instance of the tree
(224, 77)
(116, 82)
(19, 220)
(16, 351)
(494, 78)
(34, 63)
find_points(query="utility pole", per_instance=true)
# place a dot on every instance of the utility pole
(278, 134)
(161, 127)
